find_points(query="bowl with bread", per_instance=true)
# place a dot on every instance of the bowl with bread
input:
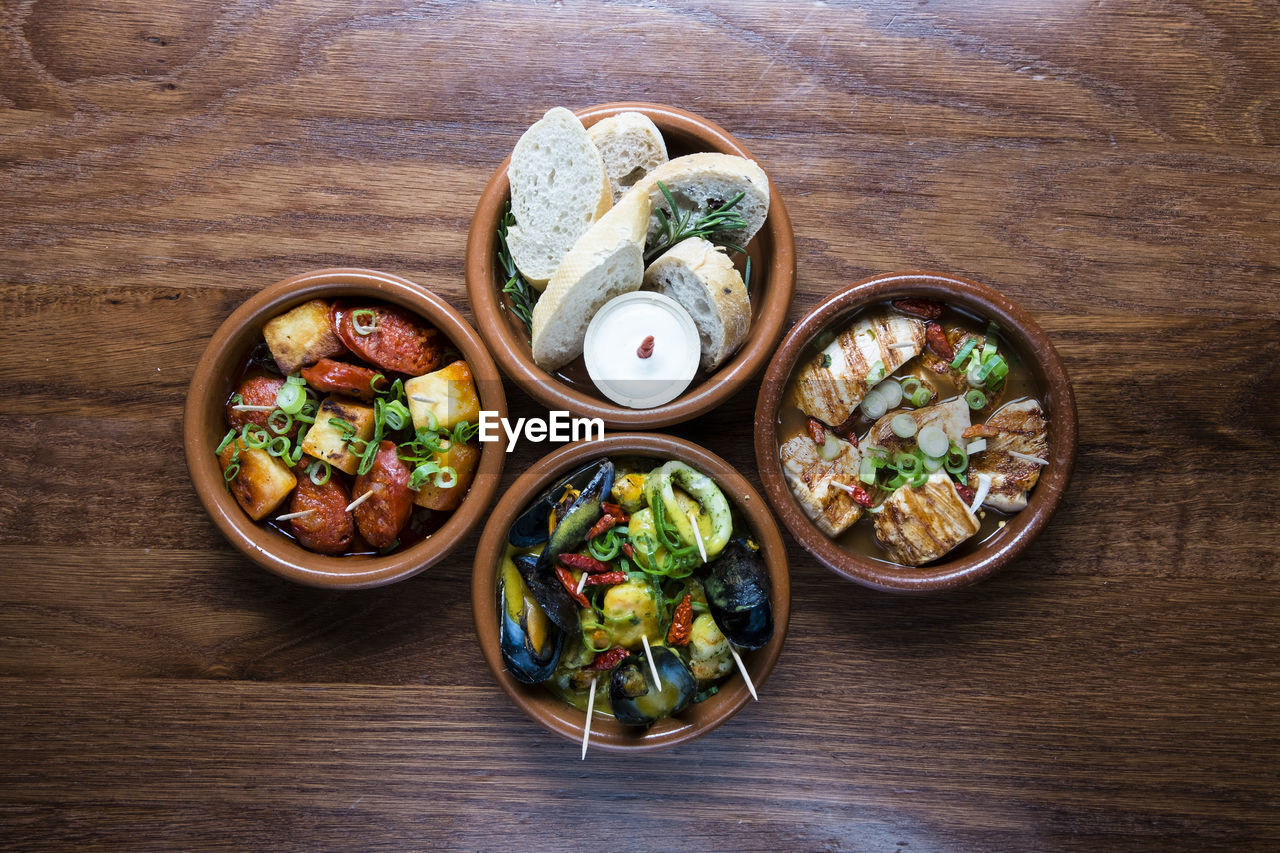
(630, 262)
(330, 428)
(915, 432)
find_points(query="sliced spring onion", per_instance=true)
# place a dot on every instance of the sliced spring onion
(963, 353)
(957, 460)
(908, 464)
(922, 397)
(919, 479)
(229, 473)
(1026, 457)
(867, 471)
(976, 446)
(281, 424)
(418, 478)
(364, 321)
(874, 406)
(987, 366)
(896, 481)
(891, 391)
(830, 448)
(397, 415)
(290, 398)
(933, 441)
(878, 455)
(279, 446)
(373, 382)
(980, 493)
(903, 426)
(975, 399)
(877, 371)
(314, 472)
(988, 350)
(293, 456)
(446, 478)
(932, 463)
(254, 436)
(910, 386)
(226, 439)
(971, 373)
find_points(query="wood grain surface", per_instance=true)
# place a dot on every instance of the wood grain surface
(1111, 166)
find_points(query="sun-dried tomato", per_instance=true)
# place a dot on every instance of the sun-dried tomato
(605, 661)
(817, 431)
(583, 563)
(936, 339)
(571, 586)
(860, 496)
(616, 511)
(606, 579)
(926, 309)
(966, 494)
(628, 550)
(681, 622)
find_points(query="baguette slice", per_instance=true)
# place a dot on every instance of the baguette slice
(607, 261)
(631, 145)
(700, 276)
(558, 188)
(701, 182)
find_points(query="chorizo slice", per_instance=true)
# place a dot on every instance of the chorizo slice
(254, 391)
(383, 514)
(327, 528)
(338, 377)
(395, 339)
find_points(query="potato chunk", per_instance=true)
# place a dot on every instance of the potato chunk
(324, 440)
(302, 336)
(463, 458)
(449, 393)
(263, 481)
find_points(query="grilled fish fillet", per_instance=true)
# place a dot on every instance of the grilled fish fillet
(810, 477)
(952, 417)
(862, 355)
(916, 525)
(1022, 428)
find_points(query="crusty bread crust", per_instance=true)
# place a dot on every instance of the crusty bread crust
(702, 278)
(559, 187)
(700, 182)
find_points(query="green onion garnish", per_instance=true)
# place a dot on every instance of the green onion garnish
(230, 472)
(254, 436)
(933, 441)
(957, 460)
(282, 424)
(290, 398)
(226, 439)
(867, 471)
(922, 397)
(963, 353)
(906, 463)
(903, 426)
(279, 446)
(446, 478)
(364, 321)
(976, 399)
(910, 386)
(314, 472)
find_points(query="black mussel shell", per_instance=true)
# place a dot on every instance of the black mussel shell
(531, 527)
(738, 595)
(635, 700)
(550, 594)
(526, 663)
(578, 519)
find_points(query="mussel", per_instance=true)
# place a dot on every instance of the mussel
(530, 642)
(575, 521)
(738, 595)
(548, 592)
(635, 699)
(531, 528)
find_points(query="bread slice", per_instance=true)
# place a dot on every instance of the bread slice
(631, 145)
(702, 182)
(558, 188)
(700, 276)
(607, 261)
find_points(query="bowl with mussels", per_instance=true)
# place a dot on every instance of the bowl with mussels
(915, 432)
(631, 593)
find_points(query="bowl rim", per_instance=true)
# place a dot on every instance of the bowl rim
(513, 354)
(274, 552)
(563, 719)
(1058, 399)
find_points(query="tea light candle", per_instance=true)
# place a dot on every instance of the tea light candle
(617, 340)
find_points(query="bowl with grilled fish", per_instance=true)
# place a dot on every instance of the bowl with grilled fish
(915, 432)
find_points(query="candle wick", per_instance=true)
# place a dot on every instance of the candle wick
(646, 348)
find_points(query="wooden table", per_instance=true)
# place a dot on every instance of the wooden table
(1112, 167)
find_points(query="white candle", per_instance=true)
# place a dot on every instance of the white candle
(613, 343)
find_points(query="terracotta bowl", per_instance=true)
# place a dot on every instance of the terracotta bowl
(204, 428)
(562, 718)
(772, 252)
(1031, 343)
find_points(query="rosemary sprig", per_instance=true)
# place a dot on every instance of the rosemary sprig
(523, 296)
(680, 225)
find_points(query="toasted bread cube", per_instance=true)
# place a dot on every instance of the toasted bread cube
(449, 392)
(461, 457)
(263, 481)
(324, 439)
(302, 336)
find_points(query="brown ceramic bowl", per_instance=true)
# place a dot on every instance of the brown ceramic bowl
(606, 733)
(204, 428)
(772, 254)
(1031, 343)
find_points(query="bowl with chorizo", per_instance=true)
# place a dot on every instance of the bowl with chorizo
(331, 428)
